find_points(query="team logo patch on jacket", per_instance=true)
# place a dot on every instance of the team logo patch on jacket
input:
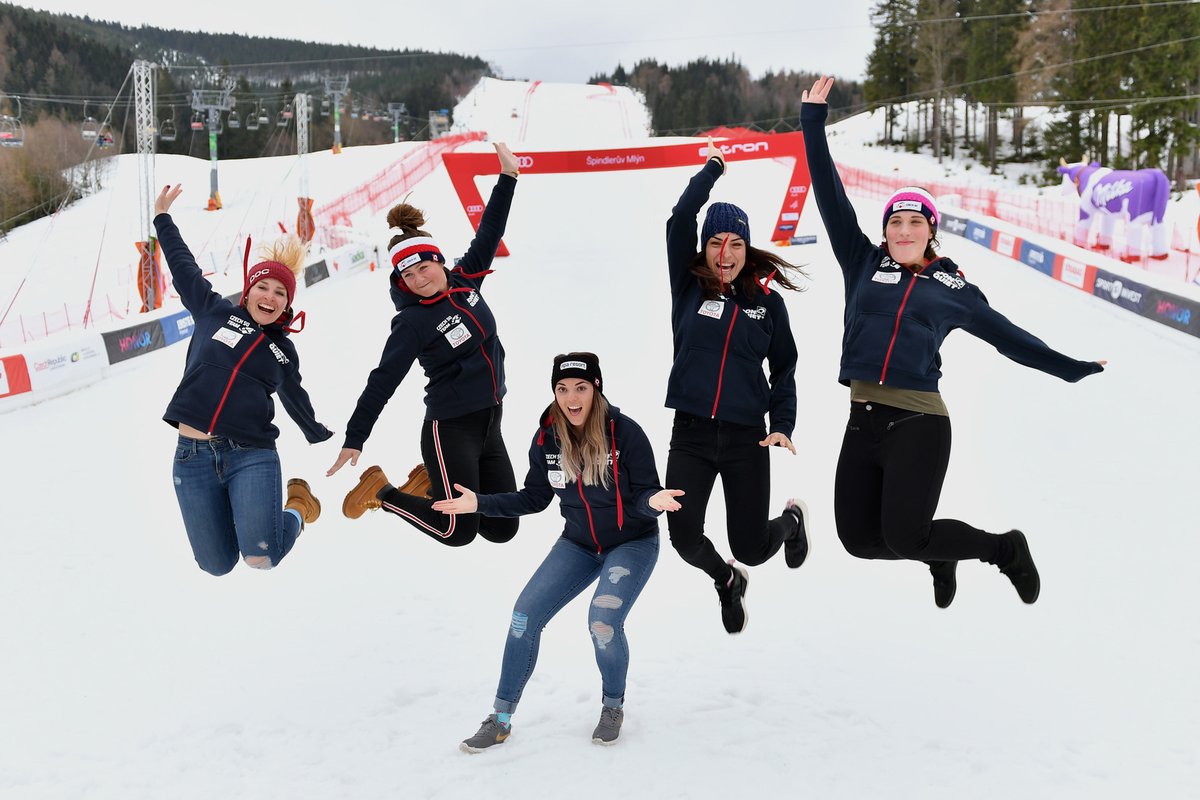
(472, 298)
(712, 308)
(758, 312)
(227, 337)
(886, 277)
(457, 335)
(953, 281)
(556, 479)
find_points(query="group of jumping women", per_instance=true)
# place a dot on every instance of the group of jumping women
(728, 317)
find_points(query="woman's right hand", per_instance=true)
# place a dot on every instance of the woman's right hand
(715, 152)
(466, 503)
(347, 454)
(162, 203)
(819, 91)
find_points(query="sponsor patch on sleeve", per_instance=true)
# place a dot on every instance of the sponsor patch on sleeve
(712, 308)
(886, 277)
(458, 334)
(227, 337)
(556, 478)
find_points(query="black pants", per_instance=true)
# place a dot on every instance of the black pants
(469, 451)
(889, 479)
(702, 449)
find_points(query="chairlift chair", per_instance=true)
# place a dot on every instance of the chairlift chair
(90, 128)
(104, 137)
(234, 121)
(263, 117)
(252, 120)
(325, 107)
(197, 121)
(286, 114)
(166, 129)
(12, 133)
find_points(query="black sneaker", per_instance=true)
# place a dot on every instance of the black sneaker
(492, 732)
(609, 727)
(733, 600)
(945, 581)
(795, 547)
(1021, 570)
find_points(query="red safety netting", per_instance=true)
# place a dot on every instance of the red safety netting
(384, 189)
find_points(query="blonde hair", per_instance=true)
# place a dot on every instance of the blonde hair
(585, 452)
(287, 250)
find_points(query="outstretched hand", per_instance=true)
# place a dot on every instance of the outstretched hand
(162, 203)
(780, 440)
(819, 92)
(508, 162)
(347, 454)
(466, 503)
(665, 500)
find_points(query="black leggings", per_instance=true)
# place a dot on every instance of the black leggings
(469, 451)
(702, 449)
(889, 479)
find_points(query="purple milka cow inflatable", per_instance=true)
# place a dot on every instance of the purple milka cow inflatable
(1106, 195)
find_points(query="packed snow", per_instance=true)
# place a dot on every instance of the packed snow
(354, 669)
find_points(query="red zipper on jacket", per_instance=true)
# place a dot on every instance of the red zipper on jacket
(896, 330)
(212, 426)
(579, 483)
(724, 353)
(483, 335)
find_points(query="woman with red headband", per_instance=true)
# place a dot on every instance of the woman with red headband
(227, 474)
(444, 323)
(725, 322)
(902, 299)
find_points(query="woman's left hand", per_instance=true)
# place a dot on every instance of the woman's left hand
(162, 203)
(466, 503)
(508, 162)
(780, 440)
(665, 500)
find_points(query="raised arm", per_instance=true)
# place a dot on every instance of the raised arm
(682, 244)
(196, 293)
(850, 245)
(482, 250)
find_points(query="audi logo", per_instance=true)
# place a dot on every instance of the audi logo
(525, 162)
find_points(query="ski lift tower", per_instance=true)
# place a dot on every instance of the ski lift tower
(397, 110)
(337, 87)
(304, 220)
(212, 102)
(150, 282)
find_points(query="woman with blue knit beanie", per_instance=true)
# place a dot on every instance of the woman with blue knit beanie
(902, 299)
(726, 321)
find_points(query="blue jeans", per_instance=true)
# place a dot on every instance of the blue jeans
(229, 495)
(570, 568)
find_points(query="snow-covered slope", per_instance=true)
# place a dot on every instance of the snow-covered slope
(354, 669)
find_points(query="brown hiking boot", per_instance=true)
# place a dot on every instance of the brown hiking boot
(418, 483)
(300, 499)
(363, 497)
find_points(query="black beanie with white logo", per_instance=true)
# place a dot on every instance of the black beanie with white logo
(585, 366)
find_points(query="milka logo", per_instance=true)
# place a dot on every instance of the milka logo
(739, 147)
(953, 281)
(1105, 192)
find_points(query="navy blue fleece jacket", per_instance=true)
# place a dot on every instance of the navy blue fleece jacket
(596, 517)
(453, 336)
(233, 364)
(720, 344)
(897, 317)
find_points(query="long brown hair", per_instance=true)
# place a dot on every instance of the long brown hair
(584, 454)
(760, 264)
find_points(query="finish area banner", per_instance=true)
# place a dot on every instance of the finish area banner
(464, 167)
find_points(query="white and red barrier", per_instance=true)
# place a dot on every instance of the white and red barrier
(463, 168)
(383, 189)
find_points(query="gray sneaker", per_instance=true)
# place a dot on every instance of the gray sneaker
(609, 727)
(491, 732)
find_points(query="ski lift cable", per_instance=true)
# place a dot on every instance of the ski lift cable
(36, 260)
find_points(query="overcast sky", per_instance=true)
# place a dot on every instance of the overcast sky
(540, 39)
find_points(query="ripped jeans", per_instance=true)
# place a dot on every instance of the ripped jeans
(570, 568)
(230, 497)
